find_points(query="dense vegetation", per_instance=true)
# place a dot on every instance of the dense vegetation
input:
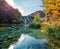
(47, 27)
(52, 27)
(8, 15)
(50, 24)
(9, 35)
(36, 23)
(54, 36)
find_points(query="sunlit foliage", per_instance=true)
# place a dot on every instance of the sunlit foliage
(36, 23)
(52, 9)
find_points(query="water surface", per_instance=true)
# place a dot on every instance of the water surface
(28, 42)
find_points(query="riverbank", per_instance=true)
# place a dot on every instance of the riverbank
(9, 35)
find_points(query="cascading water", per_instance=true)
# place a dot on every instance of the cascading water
(26, 21)
(27, 42)
(25, 25)
(22, 36)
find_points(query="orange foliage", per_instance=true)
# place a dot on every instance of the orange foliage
(45, 24)
(57, 1)
(53, 8)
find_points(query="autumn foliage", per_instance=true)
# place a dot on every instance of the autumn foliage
(52, 27)
(52, 10)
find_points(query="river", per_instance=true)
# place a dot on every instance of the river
(27, 42)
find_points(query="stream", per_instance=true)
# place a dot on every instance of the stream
(28, 42)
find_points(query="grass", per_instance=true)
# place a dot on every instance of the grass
(37, 34)
(9, 35)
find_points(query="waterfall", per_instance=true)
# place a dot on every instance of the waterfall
(22, 35)
(25, 24)
(28, 42)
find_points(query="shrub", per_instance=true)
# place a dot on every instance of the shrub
(49, 30)
(35, 26)
(54, 36)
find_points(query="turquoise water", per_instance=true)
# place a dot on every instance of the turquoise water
(10, 35)
(29, 42)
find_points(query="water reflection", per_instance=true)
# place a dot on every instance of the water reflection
(28, 42)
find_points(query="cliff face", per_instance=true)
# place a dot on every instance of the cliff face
(7, 13)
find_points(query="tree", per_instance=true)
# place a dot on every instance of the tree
(17, 16)
(37, 19)
(52, 9)
(36, 23)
